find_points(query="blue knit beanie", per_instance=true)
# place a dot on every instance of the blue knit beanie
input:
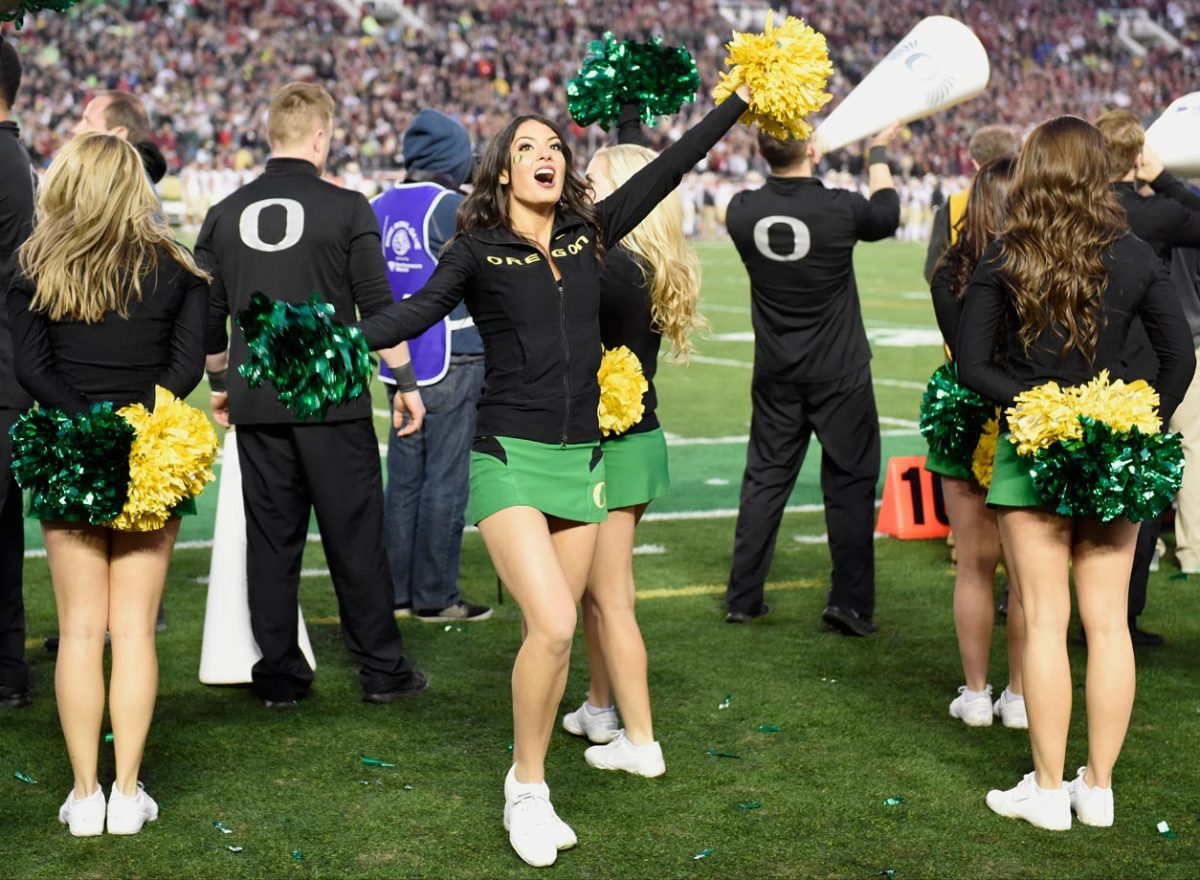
(437, 144)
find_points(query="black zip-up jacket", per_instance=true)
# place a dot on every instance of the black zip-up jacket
(16, 222)
(541, 337)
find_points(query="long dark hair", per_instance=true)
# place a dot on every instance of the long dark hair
(986, 215)
(487, 205)
(1063, 215)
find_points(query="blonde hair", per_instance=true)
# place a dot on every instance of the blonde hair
(97, 232)
(1124, 138)
(669, 266)
(296, 111)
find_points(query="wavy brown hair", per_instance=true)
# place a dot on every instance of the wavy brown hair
(98, 232)
(986, 215)
(1063, 215)
(487, 205)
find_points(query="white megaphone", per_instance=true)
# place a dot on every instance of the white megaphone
(229, 651)
(1175, 136)
(939, 64)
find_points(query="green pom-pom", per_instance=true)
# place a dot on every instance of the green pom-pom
(658, 78)
(16, 10)
(952, 416)
(77, 468)
(1107, 474)
(313, 361)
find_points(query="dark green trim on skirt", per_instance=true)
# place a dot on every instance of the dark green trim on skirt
(1012, 486)
(946, 467)
(635, 468)
(563, 481)
(45, 513)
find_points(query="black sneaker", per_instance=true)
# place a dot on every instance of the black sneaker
(457, 613)
(14, 697)
(417, 683)
(747, 616)
(280, 704)
(1143, 639)
(848, 622)
(401, 612)
(160, 623)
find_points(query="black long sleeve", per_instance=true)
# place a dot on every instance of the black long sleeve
(622, 211)
(443, 291)
(629, 126)
(217, 330)
(878, 217)
(186, 365)
(939, 239)
(36, 368)
(367, 273)
(947, 307)
(1171, 186)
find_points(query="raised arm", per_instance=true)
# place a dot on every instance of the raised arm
(622, 211)
(978, 328)
(33, 358)
(185, 365)
(629, 126)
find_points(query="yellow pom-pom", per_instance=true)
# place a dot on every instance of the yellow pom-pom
(984, 457)
(1049, 414)
(171, 460)
(622, 387)
(786, 68)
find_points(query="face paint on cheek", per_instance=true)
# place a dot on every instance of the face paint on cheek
(517, 159)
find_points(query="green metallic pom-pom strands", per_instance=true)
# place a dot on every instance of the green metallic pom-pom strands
(313, 361)
(658, 78)
(76, 467)
(16, 10)
(952, 416)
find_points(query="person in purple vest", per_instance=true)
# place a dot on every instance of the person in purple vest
(427, 472)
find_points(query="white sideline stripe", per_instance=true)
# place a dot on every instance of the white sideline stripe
(381, 413)
(899, 383)
(747, 365)
(898, 423)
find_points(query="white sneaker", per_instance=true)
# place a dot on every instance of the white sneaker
(975, 712)
(1011, 711)
(598, 727)
(1043, 808)
(621, 754)
(534, 829)
(1092, 805)
(127, 815)
(84, 817)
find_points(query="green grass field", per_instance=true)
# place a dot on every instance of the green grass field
(859, 721)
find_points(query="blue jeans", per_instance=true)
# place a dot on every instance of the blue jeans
(426, 492)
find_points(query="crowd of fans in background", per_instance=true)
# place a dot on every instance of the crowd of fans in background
(206, 71)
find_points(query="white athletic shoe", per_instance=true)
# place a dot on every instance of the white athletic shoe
(534, 829)
(84, 817)
(621, 754)
(599, 727)
(1092, 806)
(976, 712)
(1011, 711)
(1043, 808)
(127, 815)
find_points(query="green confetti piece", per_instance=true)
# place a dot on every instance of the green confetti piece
(750, 805)
(894, 801)
(713, 753)
(769, 728)
(889, 873)
(297, 855)
(375, 762)
(703, 854)
(232, 848)
(220, 826)
(108, 738)
(452, 628)
(25, 777)
(408, 788)
(1165, 830)
(1182, 576)
(510, 747)
(726, 703)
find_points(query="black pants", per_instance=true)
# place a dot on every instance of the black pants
(13, 671)
(287, 470)
(785, 416)
(1139, 577)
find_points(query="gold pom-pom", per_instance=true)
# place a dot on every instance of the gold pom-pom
(171, 460)
(786, 68)
(1049, 414)
(622, 387)
(984, 457)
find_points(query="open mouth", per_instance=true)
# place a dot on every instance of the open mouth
(544, 177)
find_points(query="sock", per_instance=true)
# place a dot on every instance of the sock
(1009, 696)
(969, 694)
(594, 710)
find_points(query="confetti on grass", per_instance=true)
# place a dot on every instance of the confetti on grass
(220, 826)
(895, 801)
(713, 753)
(750, 805)
(232, 848)
(375, 762)
(769, 728)
(726, 703)
(1165, 830)
(703, 854)
(25, 777)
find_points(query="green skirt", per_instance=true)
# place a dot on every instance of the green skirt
(1012, 486)
(946, 467)
(186, 507)
(562, 481)
(635, 468)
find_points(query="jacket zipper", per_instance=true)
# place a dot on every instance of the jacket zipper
(562, 326)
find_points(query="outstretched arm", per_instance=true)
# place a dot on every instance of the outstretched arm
(442, 292)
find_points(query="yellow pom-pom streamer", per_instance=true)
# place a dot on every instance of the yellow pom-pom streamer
(622, 387)
(786, 68)
(1049, 414)
(171, 460)
(984, 457)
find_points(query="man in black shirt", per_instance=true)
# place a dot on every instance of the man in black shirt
(811, 371)
(16, 221)
(287, 234)
(1168, 219)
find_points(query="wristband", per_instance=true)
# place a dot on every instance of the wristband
(406, 378)
(877, 155)
(218, 380)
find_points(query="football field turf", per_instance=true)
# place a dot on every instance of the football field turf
(791, 752)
